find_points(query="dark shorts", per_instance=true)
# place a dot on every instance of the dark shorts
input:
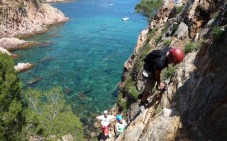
(148, 80)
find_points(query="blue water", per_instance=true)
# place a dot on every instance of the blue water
(86, 54)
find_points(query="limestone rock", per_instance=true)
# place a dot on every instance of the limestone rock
(12, 43)
(28, 20)
(163, 127)
(181, 2)
(182, 31)
(141, 39)
(163, 14)
(5, 51)
(23, 67)
(68, 137)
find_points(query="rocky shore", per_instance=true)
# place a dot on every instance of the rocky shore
(25, 18)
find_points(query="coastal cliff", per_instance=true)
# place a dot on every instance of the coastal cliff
(27, 17)
(193, 107)
(23, 18)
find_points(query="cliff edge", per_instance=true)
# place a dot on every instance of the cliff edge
(194, 106)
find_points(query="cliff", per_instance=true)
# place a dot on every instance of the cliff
(23, 18)
(194, 105)
(27, 17)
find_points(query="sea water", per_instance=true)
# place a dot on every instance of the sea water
(85, 56)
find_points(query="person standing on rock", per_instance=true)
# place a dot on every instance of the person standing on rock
(105, 122)
(120, 125)
(155, 61)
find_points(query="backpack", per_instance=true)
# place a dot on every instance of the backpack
(156, 54)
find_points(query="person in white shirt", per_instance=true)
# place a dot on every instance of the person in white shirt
(105, 122)
(120, 125)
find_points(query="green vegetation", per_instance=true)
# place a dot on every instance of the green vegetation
(189, 47)
(133, 92)
(216, 32)
(167, 42)
(122, 102)
(179, 9)
(158, 39)
(151, 33)
(169, 71)
(47, 114)
(148, 7)
(11, 119)
(158, 109)
(175, 26)
(35, 114)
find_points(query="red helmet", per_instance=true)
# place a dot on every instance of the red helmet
(176, 55)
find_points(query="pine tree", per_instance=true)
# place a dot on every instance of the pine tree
(48, 115)
(11, 119)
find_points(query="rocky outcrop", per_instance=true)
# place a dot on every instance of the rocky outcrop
(23, 18)
(193, 107)
(182, 31)
(163, 14)
(2, 50)
(15, 43)
(23, 67)
(28, 18)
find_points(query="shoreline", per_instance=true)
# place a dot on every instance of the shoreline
(19, 24)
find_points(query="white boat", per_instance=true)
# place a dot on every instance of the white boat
(125, 18)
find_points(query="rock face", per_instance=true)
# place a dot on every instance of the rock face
(27, 18)
(23, 18)
(194, 106)
(182, 31)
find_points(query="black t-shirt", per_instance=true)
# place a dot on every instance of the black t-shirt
(157, 63)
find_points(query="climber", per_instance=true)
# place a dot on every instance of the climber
(120, 125)
(105, 122)
(155, 61)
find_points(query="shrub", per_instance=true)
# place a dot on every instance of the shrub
(167, 42)
(169, 71)
(158, 39)
(189, 47)
(216, 32)
(158, 109)
(134, 93)
(151, 33)
(121, 101)
(179, 9)
(128, 81)
(47, 114)
(175, 26)
(11, 108)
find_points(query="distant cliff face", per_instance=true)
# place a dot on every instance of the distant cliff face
(194, 107)
(26, 17)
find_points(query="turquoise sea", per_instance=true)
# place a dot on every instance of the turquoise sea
(85, 56)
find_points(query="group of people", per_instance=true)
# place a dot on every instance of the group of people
(106, 121)
(154, 63)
